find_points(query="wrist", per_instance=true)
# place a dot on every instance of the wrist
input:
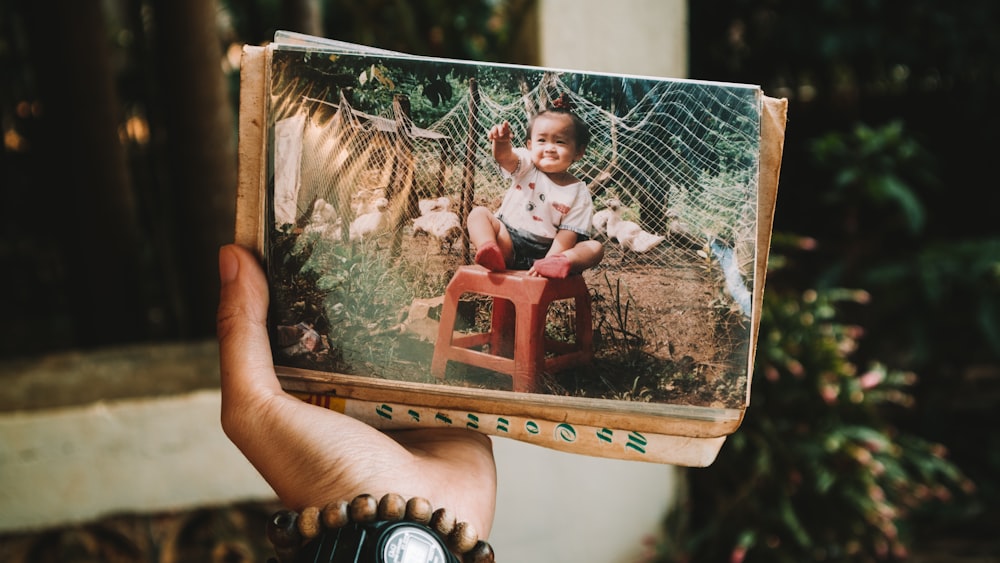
(369, 531)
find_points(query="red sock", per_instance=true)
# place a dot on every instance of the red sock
(490, 257)
(553, 267)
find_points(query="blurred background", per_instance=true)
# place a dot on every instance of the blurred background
(870, 435)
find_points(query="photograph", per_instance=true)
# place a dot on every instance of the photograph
(501, 229)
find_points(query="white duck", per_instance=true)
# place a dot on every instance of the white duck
(324, 220)
(436, 220)
(600, 221)
(370, 222)
(442, 225)
(437, 204)
(628, 233)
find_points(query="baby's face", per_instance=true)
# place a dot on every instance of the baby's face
(553, 143)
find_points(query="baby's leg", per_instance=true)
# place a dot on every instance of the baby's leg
(555, 266)
(485, 232)
(592, 252)
(585, 255)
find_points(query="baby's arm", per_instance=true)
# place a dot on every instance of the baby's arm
(503, 152)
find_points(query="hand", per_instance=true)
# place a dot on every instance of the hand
(500, 133)
(312, 456)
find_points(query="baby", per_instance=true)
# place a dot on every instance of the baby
(543, 224)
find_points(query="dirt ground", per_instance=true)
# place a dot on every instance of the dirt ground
(662, 333)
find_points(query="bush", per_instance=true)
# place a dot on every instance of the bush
(815, 472)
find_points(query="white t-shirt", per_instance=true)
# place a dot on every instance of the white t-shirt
(536, 205)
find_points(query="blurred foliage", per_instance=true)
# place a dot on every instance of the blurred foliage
(881, 189)
(887, 148)
(816, 472)
(474, 30)
(869, 168)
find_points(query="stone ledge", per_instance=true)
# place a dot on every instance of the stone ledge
(79, 378)
(132, 429)
(70, 465)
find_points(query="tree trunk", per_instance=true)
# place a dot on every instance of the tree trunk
(201, 149)
(84, 188)
(303, 16)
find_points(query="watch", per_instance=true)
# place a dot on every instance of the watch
(377, 542)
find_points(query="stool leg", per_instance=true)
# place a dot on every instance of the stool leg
(584, 326)
(502, 328)
(529, 345)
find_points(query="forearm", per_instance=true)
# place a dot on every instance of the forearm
(503, 154)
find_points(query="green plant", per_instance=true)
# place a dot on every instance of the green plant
(363, 290)
(875, 168)
(623, 335)
(815, 472)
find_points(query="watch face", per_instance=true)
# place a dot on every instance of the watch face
(410, 544)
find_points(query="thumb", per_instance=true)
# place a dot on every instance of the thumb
(244, 348)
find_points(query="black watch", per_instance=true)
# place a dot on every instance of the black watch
(377, 542)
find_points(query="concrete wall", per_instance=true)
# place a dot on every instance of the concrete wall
(643, 37)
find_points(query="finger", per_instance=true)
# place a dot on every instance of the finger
(244, 349)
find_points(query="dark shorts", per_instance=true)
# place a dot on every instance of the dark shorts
(527, 249)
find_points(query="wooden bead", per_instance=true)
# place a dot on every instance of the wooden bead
(282, 530)
(308, 523)
(335, 515)
(364, 508)
(481, 553)
(419, 510)
(463, 537)
(283, 533)
(392, 507)
(442, 522)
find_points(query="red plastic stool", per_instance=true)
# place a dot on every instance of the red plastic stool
(521, 352)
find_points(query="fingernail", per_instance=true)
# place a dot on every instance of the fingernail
(229, 265)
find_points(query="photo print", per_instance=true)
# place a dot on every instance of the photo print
(380, 166)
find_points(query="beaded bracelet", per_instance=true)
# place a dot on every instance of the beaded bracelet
(289, 531)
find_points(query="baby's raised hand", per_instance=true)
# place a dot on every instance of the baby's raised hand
(500, 133)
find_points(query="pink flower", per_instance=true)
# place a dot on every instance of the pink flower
(871, 379)
(829, 394)
(771, 374)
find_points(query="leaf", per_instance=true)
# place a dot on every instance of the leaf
(890, 187)
(791, 520)
(382, 78)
